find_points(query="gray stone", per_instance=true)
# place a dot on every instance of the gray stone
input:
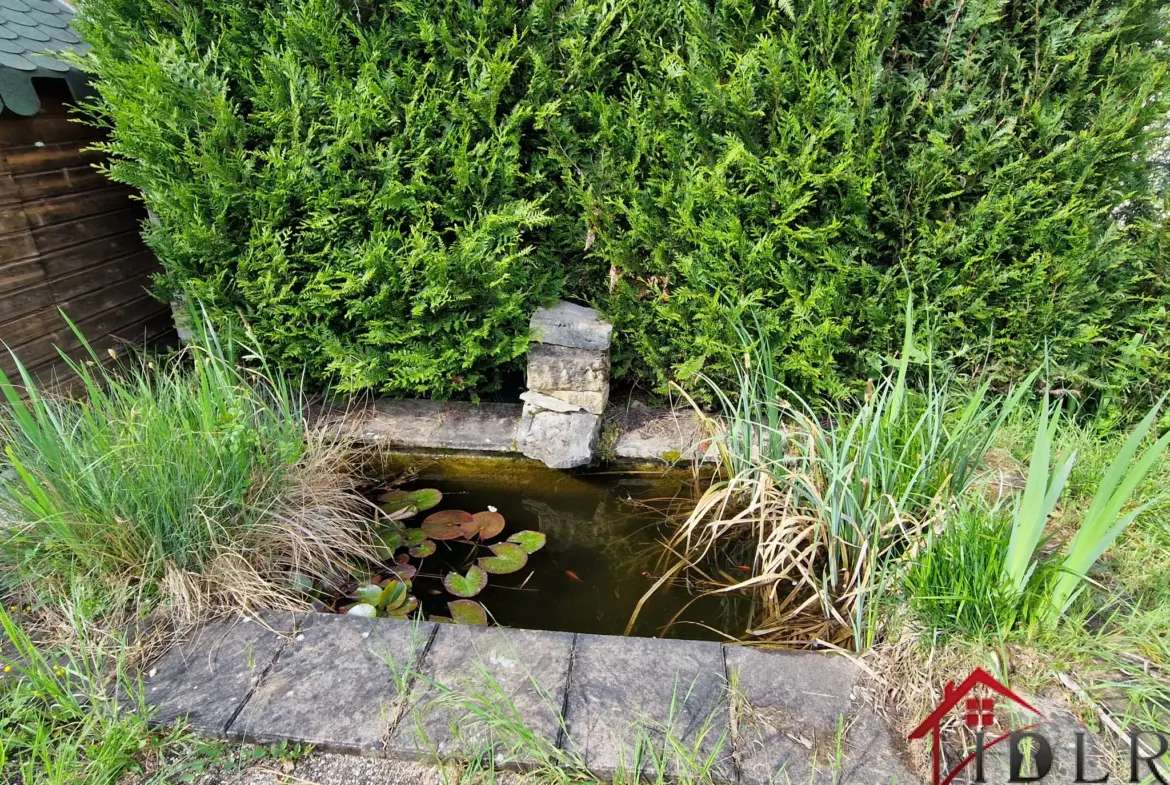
(626, 690)
(403, 423)
(209, 677)
(801, 717)
(662, 435)
(516, 675)
(592, 402)
(548, 403)
(488, 427)
(558, 440)
(564, 368)
(332, 685)
(453, 425)
(566, 324)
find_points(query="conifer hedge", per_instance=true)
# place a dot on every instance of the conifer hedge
(387, 189)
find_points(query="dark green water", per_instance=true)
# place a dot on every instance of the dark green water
(604, 549)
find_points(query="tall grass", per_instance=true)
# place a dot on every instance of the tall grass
(826, 500)
(59, 723)
(189, 478)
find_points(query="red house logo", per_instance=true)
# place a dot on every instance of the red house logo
(978, 713)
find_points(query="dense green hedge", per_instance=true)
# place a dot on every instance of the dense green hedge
(386, 190)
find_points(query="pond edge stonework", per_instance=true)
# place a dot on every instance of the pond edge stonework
(364, 686)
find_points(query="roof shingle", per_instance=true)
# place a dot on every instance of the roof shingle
(31, 32)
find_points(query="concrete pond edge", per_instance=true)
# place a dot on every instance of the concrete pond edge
(600, 704)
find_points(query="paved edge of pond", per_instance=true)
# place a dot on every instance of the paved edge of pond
(636, 434)
(384, 688)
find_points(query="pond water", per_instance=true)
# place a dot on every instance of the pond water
(603, 551)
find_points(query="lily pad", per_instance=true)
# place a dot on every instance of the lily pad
(369, 594)
(404, 610)
(415, 536)
(468, 612)
(446, 525)
(424, 498)
(485, 524)
(530, 541)
(392, 501)
(386, 541)
(467, 585)
(423, 549)
(402, 571)
(393, 595)
(441, 619)
(363, 609)
(509, 557)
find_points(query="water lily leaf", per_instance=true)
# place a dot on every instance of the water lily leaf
(362, 609)
(393, 595)
(301, 582)
(407, 608)
(467, 585)
(386, 541)
(509, 557)
(468, 612)
(403, 572)
(415, 536)
(530, 541)
(446, 525)
(485, 524)
(369, 594)
(424, 498)
(423, 549)
(392, 501)
(441, 619)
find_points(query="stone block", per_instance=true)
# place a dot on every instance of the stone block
(592, 402)
(539, 400)
(662, 435)
(557, 439)
(567, 324)
(564, 368)
(520, 676)
(332, 686)
(209, 677)
(624, 691)
(490, 427)
(800, 717)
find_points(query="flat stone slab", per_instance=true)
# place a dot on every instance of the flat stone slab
(332, 686)
(800, 718)
(624, 692)
(568, 324)
(444, 425)
(208, 678)
(661, 435)
(516, 675)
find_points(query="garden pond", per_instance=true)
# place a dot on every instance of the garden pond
(510, 542)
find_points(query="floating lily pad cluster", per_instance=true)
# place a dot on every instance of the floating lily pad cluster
(392, 598)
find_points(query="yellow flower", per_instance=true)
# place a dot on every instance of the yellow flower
(7, 668)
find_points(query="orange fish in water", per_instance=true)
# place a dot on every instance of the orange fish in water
(744, 567)
(573, 575)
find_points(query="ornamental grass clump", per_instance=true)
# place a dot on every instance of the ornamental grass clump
(191, 479)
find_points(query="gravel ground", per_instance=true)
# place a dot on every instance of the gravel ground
(321, 768)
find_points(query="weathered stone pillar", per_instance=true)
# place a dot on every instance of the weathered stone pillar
(568, 385)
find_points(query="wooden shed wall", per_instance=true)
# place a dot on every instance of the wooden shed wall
(69, 240)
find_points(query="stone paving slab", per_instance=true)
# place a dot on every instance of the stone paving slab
(626, 690)
(518, 675)
(800, 718)
(331, 686)
(209, 677)
(444, 425)
(660, 435)
(569, 324)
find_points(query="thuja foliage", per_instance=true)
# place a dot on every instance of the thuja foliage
(386, 190)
